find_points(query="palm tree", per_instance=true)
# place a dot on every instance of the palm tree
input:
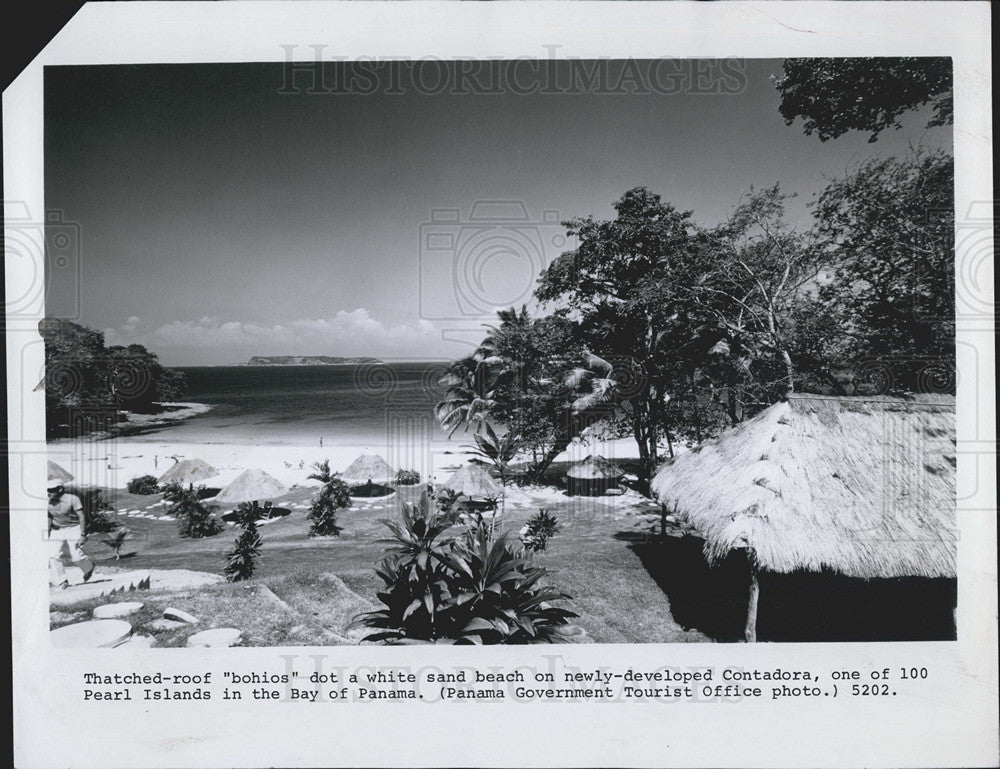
(471, 390)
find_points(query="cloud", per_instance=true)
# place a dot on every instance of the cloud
(346, 333)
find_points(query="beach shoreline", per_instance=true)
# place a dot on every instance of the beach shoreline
(112, 461)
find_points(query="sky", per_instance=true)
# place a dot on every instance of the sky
(219, 218)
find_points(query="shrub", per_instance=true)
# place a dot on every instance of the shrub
(370, 489)
(322, 514)
(535, 535)
(467, 589)
(195, 520)
(407, 478)
(241, 561)
(144, 485)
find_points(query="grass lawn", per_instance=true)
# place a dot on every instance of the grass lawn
(307, 590)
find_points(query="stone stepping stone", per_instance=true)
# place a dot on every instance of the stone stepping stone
(165, 518)
(220, 636)
(117, 610)
(93, 634)
(140, 642)
(63, 616)
(135, 512)
(354, 509)
(165, 624)
(179, 615)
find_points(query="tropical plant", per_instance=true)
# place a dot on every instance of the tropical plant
(322, 513)
(322, 472)
(468, 588)
(407, 478)
(494, 451)
(143, 485)
(116, 541)
(536, 533)
(241, 561)
(195, 519)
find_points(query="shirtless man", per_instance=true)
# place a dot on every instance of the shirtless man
(67, 524)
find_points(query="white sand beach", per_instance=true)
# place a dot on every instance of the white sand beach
(112, 462)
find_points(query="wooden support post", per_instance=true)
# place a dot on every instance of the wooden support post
(750, 633)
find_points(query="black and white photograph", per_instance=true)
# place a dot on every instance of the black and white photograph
(503, 384)
(608, 351)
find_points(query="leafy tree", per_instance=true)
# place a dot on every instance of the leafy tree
(886, 231)
(82, 373)
(748, 293)
(241, 561)
(195, 520)
(620, 286)
(467, 588)
(836, 95)
(334, 496)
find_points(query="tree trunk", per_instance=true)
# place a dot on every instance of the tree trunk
(750, 632)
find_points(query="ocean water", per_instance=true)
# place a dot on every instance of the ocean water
(368, 404)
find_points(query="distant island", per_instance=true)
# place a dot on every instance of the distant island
(306, 360)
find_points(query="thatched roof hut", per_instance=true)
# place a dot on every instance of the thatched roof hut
(59, 473)
(593, 475)
(368, 467)
(188, 471)
(251, 486)
(863, 486)
(473, 482)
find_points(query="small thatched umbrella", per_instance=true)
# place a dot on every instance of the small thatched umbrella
(251, 486)
(188, 471)
(368, 467)
(57, 473)
(593, 475)
(474, 484)
(861, 486)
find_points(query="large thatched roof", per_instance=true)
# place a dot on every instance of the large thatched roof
(188, 471)
(368, 467)
(251, 486)
(864, 486)
(595, 467)
(473, 482)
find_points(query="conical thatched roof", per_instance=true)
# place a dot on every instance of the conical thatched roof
(188, 471)
(473, 482)
(595, 467)
(864, 486)
(251, 486)
(368, 467)
(57, 473)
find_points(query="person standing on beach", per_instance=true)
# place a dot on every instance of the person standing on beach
(67, 524)
(321, 443)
